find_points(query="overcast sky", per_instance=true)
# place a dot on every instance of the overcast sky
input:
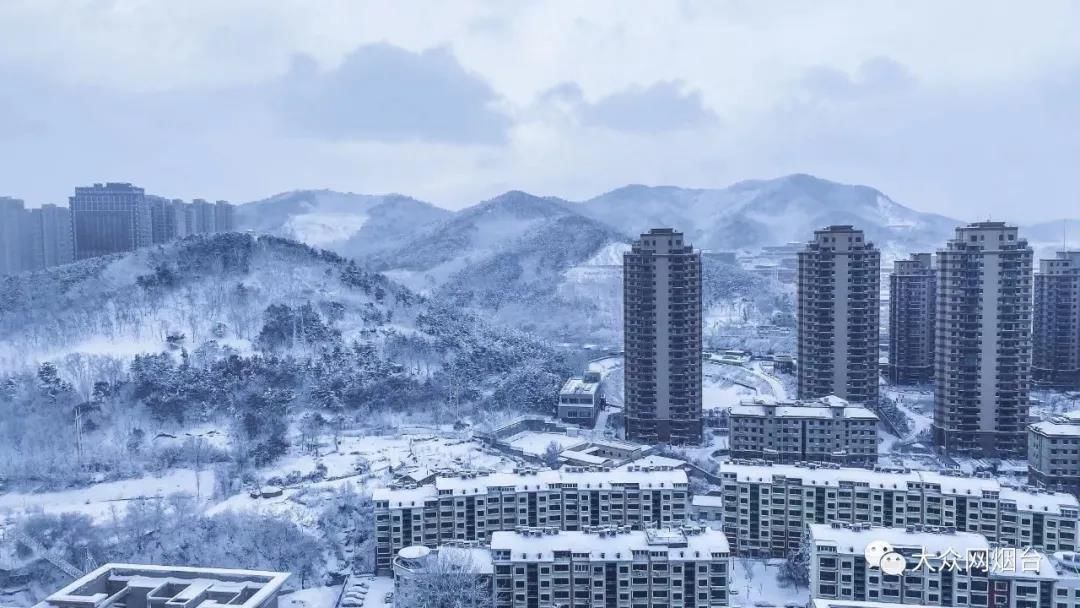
(971, 109)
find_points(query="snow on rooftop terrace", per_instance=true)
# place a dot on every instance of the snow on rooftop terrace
(1060, 425)
(930, 540)
(825, 407)
(1033, 499)
(540, 544)
(823, 603)
(524, 480)
(536, 442)
(579, 386)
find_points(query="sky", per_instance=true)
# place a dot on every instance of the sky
(966, 108)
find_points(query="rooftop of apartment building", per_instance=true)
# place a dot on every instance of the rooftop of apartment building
(947, 482)
(853, 538)
(581, 385)
(168, 585)
(521, 480)
(611, 543)
(1059, 425)
(824, 407)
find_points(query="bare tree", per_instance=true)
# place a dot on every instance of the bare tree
(450, 578)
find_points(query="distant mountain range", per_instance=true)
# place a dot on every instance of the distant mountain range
(553, 266)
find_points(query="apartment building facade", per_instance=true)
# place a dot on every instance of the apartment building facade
(838, 316)
(764, 508)
(1055, 353)
(469, 507)
(12, 258)
(912, 293)
(662, 335)
(1054, 453)
(982, 355)
(821, 430)
(839, 568)
(109, 218)
(685, 567)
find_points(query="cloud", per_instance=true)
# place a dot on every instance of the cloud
(874, 77)
(660, 107)
(385, 93)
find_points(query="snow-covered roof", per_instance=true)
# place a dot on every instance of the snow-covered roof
(1059, 425)
(825, 407)
(611, 544)
(852, 539)
(193, 587)
(1029, 563)
(583, 456)
(1030, 499)
(579, 386)
(705, 500)
(656, 460)
(522, 481)
(824, 603)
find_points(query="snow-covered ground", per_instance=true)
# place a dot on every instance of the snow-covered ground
(753, 583)
(535, 444)
(725, 385)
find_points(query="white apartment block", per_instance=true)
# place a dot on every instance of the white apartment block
(685, 567)
(471, 506)
(828, 429)
(839, 568)
(1054, 453)
(764, 508)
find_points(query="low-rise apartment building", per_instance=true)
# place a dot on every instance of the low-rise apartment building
(672, 567)
(937, 573)
(470, 506)
(828, 429)
(581, 399)
(764, 508)
(1054, 453)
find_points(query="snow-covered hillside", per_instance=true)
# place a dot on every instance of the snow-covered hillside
(752, 214)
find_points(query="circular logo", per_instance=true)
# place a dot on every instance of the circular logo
(893, 563)
(875, 551)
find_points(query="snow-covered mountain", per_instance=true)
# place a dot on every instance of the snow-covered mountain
(752, 214)
(352, 224)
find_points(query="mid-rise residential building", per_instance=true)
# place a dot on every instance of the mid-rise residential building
(109, 218)
(1033, 579)
(982, 355)
(163, 219)
(1054, 452)
(662, 315)
(581, 399)
(821, 430)
(938, 571)
(470, 506)
(1055, 353)
(672, 567)
(764, 508)
(147, 586)
(838, 316)
(912, 293)
(12, 258)
(203, 216)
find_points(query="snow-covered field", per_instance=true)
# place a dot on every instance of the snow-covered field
(754, 584)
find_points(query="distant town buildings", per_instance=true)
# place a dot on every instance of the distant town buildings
(611, 566)
(1054, 452)
(581, 399)
(662, 315)
(982, 355)
(1055, 353)
(823, 430)
(838, 316)
(912, 293)
(101, 219)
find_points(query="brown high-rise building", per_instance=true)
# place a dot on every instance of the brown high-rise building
(982, 354)
(838, 316)
(1055, 354)
(912, 289)
(662, 315)
(109, 218)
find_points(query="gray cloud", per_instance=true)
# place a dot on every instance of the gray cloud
(662, 106)
(877, 76)
(384, 93)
